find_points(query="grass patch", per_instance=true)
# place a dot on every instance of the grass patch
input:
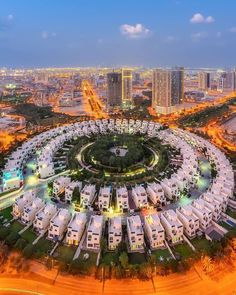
(29, 235)
(136, 258)
(183, 250)
(110, 257)
(6, 213)
(91, 261)
(65, 253)
(225, 225)
(44, 245)
(162, 254)
(231, 213)
(16, 226)
(201, 245)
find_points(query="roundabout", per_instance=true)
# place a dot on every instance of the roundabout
(98, 193)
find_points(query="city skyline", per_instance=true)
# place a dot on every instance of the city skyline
(152, 34)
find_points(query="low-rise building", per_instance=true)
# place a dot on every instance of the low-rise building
(154, 231)
(21, 202)
(173, 227)
(203, 213)
(94, 232)
(156, 194)
(135, 233)
(31, 209)
(139, 195)
(189, 220)
(60, 184)
(122, 198)
(87, 195)
(43, 217)
(114, 232)
(58, 225)
(104, 198)
(70, 189)
(76, 228)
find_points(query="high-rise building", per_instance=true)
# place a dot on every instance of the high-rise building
(227, 81)
(119, 93)
(167, 90)
(204, 81)
(114, 94)
(126, 88)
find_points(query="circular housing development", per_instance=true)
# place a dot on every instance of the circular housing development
(98, 186)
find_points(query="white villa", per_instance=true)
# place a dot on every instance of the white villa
(30, 210)
(114, 232)
(139, 195)
(154, 231)
(135, 233)
(122, 199)
(94, 232)
(189, 220)
(43, 217)
(87, 195)
(173, 227)
(58, 225)
(76, 228)
(104, 198)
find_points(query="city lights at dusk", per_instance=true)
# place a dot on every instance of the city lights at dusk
(118, 147)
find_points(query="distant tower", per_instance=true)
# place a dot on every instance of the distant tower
(114, 94)
(204, 82)
(167, 90)
(126, 88)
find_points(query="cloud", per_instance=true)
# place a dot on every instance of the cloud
(10, 17)
(199, 35)
(45, 34)
(232, 30)
(6, 22)
(135, 31)
(198, 18)
(218, 34)
(170, 39)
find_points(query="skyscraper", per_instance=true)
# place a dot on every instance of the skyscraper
(167, 90)
(126, 88)
(204, 81)
(114, 95)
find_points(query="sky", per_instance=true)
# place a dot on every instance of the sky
(150, 33)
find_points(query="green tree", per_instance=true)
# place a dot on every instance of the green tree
(124, 260)
(20, 244)
(76, 195)
(4, 232)
(12, 238)
(28, 251)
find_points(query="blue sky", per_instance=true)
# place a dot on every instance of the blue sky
(193, 33)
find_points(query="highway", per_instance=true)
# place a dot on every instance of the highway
(40, 281)
(96, 104)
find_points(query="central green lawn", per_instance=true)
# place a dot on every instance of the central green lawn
(183, 250)
(29, 235)
(6, 213)
(136, 258)
(161, 254)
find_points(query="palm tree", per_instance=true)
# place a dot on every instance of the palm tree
(207, 264)
(3, 252)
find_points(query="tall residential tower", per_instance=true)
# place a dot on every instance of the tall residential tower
(167, 90)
